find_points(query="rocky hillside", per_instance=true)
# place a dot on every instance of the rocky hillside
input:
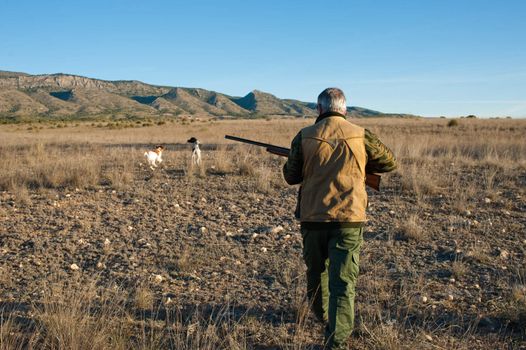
(69, 96)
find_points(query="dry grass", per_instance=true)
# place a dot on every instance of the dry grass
(442, 170)
(411, 228)
(459, 269)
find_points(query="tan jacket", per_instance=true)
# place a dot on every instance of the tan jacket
(333, 187)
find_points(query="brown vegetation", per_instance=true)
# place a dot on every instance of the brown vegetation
(209, 257)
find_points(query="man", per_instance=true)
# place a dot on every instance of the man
(330, 159)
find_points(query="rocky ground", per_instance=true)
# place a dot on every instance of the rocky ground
(434, 274)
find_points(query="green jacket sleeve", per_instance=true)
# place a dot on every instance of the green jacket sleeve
(293, 168)
(380, 159)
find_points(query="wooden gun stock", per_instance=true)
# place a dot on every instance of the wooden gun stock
(371, 180)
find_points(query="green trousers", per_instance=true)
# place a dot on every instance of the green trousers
(332, 259)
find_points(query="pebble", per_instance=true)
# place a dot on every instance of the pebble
(452, 280)
(277, 229)
(487, 200)
(176, 205)
(450, 297)
(100, 266)
(504, 254)
(476, 286)
(507, 212)
(264, 250)
(428, 337)
(467, 212)
(286, 237)
(391, 212)
(74, 267)
(202, 229)
(107, 242)
(130, 228)
(424, 299)
(158, 278)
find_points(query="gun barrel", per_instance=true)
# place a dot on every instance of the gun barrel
(257, 143)
(252, 142)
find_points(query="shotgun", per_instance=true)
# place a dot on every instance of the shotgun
(371, 180)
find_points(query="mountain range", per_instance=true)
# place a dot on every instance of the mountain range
(25, 96)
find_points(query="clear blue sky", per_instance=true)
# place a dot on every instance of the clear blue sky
(426, 57)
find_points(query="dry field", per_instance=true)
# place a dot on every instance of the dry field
(99, 252)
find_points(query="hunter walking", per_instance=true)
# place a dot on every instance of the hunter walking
(330, 159)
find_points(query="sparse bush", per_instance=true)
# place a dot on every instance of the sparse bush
(452, 122)
(458, 269)
(246, 167)
(143, 298)
(411, 229)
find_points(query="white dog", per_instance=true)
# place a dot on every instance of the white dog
(154, 157)
(196, 151)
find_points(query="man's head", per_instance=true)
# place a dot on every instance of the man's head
(332, 100)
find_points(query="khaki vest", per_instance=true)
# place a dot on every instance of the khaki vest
(333, 187)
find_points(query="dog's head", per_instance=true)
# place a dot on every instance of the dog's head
(159, 149)
(192, 140)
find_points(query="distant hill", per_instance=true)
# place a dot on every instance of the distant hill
(70, 96)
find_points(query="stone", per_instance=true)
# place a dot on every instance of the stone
(264, 250)
(487, 200)
(158, 278)
(107, 242)
(74, 267)
(450, 297)
(424, 299)
(277, 229)
(202, 229)
(428, 337)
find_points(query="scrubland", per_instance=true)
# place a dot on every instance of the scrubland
(99, 252)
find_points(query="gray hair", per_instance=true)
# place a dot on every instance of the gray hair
(332, 100)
